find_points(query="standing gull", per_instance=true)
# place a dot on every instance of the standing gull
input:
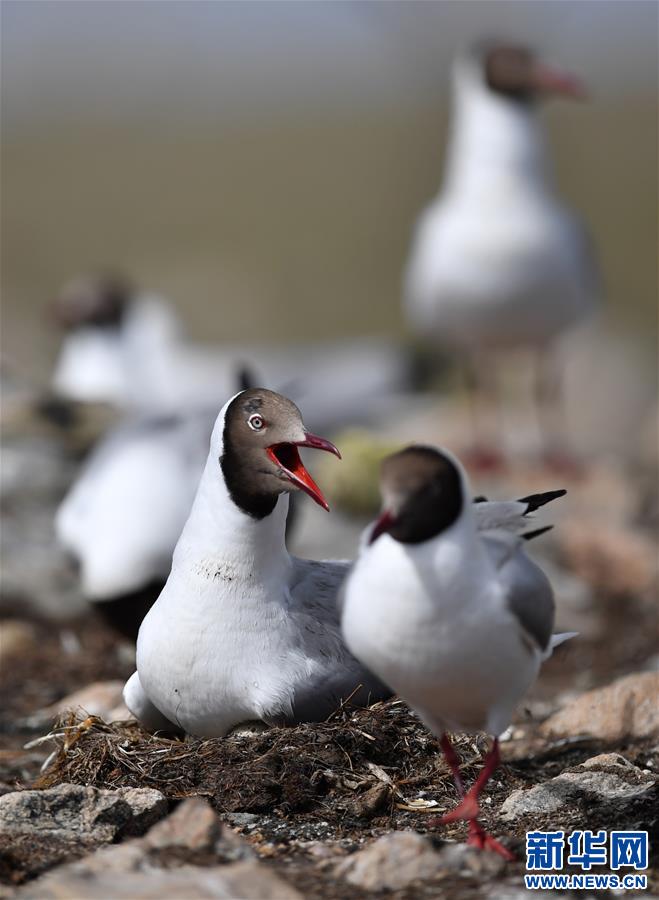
(497, 260)
(243, 630)
(445, 606)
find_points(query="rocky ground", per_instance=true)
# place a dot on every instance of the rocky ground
(93, 807)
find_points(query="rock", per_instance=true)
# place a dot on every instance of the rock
(147, 807)
(628, 708)
(242, 819)
(101, 698)
(158, 865)
(392, 862)
(613, 559)
(195, 827)
(461, 858)
(241, 879)
(16, 638)
(604, 761)
(39, 829)
(191, 834)
(593, 781)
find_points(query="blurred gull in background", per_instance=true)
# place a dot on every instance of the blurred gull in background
(121, 519)
(126, 347)
(497, 261)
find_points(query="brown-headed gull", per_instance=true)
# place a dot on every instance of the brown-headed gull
(242, 630)
(127, 347)
(498, 261)
(444, 605)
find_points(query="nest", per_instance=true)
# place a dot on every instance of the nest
(357, 762)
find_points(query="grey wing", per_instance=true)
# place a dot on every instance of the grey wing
(315, 588)
(528, 593)
(511, 516)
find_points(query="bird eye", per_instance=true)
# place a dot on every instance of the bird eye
(255, 422)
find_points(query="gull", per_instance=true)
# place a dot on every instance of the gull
(444, 605)
(242, 630)
(126, 347)
(121, 519)
(498, 261)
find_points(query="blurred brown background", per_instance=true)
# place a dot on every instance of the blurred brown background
(262, 164)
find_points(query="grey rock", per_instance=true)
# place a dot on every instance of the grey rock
(39, 829)
(392, 862)
(237, 880)
(469, 860)
(241, 819)
(191, 834)
(195, 827)
(589, 783)
(158, 865)
(147, 807)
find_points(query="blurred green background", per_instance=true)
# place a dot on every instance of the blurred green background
(262, 164)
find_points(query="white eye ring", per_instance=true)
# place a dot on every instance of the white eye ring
(255, 422)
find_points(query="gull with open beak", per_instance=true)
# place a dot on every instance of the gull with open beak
(243, 631)
(445, 606)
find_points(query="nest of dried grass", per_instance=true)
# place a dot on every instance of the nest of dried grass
(357, 762)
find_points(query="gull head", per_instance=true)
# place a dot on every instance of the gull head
(263, 432)
(422, 492)
(515, 72)
(94, 300)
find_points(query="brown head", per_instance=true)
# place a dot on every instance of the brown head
(260, 457)
(515, 73)
(422, 495)
(95, 300)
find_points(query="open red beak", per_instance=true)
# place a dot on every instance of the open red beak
(286, 456)
(547, 80)
(382, 525)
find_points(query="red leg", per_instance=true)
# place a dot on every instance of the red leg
(451, 758)
(468, 809)
(479, 838)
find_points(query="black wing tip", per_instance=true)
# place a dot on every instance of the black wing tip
(529, 535)
(480, 499)
(535, 501)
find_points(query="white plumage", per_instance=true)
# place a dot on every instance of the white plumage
(497, 259)
(242, 630)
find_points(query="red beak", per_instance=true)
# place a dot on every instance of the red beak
(382, 525)
(547, 80)
(286, 456)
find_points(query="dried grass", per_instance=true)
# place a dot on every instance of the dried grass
(322, 767)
